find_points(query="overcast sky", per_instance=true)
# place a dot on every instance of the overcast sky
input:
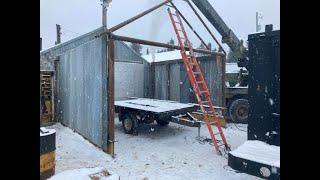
(78, 17)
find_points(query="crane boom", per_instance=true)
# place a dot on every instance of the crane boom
(227, 34)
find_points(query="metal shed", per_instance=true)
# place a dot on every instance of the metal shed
(170, 80)
(81, 82)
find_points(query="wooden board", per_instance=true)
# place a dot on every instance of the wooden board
(200, 117)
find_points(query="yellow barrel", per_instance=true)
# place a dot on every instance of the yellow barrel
(47, 152)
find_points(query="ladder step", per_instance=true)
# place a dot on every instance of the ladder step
(204, 102)
(204, 92)
(191, 62)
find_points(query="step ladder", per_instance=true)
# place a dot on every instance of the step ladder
(198, 82)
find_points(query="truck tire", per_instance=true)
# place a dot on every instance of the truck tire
(239, 110)
(129, 123)
(162, 122)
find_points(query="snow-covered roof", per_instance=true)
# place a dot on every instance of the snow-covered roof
(175, 55)
(167, 56)
(163, 56)
(232, 68)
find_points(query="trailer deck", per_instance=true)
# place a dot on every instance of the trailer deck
(136, 111)
(154, 105)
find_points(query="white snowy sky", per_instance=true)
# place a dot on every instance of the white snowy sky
(78, 17)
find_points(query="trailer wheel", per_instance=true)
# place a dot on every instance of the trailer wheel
(162, 122)
(239, 110)
(129, 123)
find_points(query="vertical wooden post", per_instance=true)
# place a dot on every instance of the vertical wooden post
(110, 91)
(55, 90)
(222, 68)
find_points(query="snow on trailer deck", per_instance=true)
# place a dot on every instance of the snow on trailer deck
(153, 105)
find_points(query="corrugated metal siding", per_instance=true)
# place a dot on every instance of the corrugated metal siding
(81, 89)
(82, 82)
(131, 73)
(180, 88)
(129, 80)
(123, 53)
(161, 82)
(174, 80)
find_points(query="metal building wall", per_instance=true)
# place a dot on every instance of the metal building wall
(131, 73)
(82, 104)
(82, 81)
(171, 81)
(81, 85)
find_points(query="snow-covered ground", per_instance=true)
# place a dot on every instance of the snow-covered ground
(171, 152)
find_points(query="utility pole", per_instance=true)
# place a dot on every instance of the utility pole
(58, 27)
(40, 43)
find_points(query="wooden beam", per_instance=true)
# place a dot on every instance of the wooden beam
(110, 96)
(158, 44)
(116, 27)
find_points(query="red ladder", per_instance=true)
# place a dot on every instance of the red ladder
(198, 82)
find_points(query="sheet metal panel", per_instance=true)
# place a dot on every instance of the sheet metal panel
(161, 82)
(82, 99)
(81, 89)
(174, 82)
(180, 88)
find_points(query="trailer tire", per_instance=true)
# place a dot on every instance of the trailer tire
(239, 110)
(162, 122)
(129, 123)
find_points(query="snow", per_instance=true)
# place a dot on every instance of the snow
(259, 151)
(170, 152)
(238, 87)
(166, 56)
(232, 68)
(46, 131)
(153, 105)
(86, 174)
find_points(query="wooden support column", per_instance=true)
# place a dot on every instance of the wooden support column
(222, 71)
(110, 96)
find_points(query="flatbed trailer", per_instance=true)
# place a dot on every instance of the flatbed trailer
(136, 111)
